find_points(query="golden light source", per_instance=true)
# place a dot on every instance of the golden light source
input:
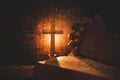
(57, 40)
(43, 41)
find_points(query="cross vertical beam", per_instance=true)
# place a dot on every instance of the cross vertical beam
(52, 46)
(52, 32)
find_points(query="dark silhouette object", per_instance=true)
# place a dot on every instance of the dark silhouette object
(76, 37)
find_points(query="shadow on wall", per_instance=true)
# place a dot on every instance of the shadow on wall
(101, 44)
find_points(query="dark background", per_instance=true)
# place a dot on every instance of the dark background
(15, 13)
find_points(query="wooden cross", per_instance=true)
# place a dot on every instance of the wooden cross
(52, 32)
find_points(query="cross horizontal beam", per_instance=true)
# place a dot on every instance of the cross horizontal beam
(52, 32)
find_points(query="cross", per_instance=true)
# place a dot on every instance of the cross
(52, 32)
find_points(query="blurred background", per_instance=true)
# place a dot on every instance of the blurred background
(21, 22)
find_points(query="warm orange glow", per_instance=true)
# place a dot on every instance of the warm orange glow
(57, 39)
(42, 41)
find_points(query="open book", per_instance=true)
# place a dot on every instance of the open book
(77, 67)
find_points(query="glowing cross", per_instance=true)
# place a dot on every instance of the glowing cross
(52, 32)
